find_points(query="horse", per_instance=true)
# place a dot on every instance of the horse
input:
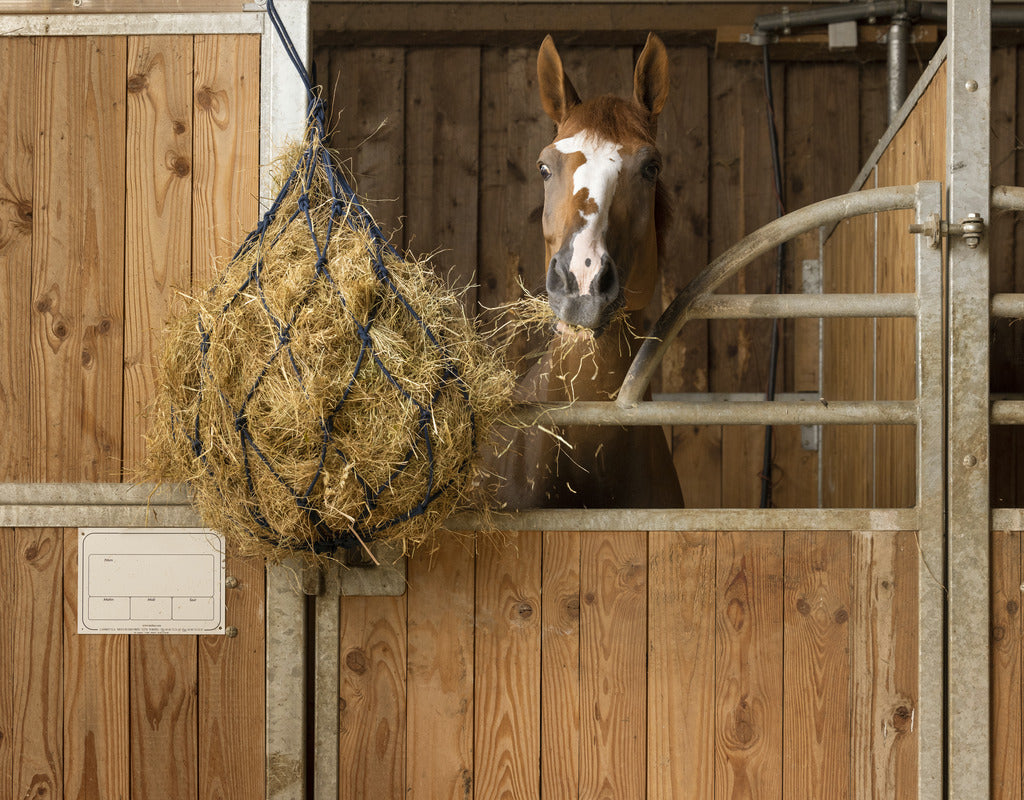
(603, 206)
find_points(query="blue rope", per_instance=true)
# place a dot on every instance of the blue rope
(345, 207)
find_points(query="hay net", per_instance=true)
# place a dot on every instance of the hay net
(326, 390)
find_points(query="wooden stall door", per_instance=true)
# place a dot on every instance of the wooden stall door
(127, 165)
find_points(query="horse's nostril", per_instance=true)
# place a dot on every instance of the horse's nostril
(607, 280)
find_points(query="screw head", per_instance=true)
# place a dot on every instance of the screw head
(970, 460)
(231, 582)
(971, 86)
(231, 631)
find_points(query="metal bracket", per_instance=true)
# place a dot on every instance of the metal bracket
(970, 228)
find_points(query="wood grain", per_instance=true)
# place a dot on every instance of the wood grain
(440, 672)
(884, 664)
(749, 668)
(371, 724)
(225, 146)
(17, 207)
(681, 667)
(442, 134)
(38, 723)
(365, 90)
(231, 717)
(77, 326)
(816, 710)
(158, 227)
(96, 748)
(1006, 666)
(613, 659)
(848, 451)
(560, 666)
(507, 683)
(163, 707)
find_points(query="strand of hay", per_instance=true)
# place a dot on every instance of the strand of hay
(308, 408)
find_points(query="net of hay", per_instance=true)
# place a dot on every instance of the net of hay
(325, 391)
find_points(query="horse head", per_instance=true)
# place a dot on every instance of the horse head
(601, 191)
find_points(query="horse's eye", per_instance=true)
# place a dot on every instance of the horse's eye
(545, 170)
(650, 170)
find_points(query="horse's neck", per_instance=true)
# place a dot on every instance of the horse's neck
(589, 369)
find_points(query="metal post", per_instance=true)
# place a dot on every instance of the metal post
(968, 168)
(931, 477)
(896, 63)
(283, 118)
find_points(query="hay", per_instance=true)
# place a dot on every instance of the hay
(310, 409)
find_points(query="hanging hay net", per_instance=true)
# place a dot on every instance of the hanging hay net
(325, 391)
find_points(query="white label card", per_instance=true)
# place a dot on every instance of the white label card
(150, 580)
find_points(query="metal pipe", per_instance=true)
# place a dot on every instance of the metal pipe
(804, 306)
(1007, 412)
(758, 412)
(1008, 198)
(761, 241)
(1008, 305)
(785, 21)
(896, 65)
(690, 519)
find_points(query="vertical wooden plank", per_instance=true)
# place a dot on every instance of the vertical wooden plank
(513, 131)
(158, 215)
(560, 666)
(225, 147)
(96, 750)
(365, 90)
(372, 731)
(18, 99)
(8, 593)
(78, 258)
(1006, 666)
(442, 136)
(440, 672)
(37, 733)
(507, 673)
(613, 665)
(748, 741)
(884, 664)
(742, 462)
(848, 451)
(162, 702)
(232, 691)
(684, 142)
(681, 667)
(817, 657)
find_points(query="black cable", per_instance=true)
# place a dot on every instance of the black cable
(780, 263)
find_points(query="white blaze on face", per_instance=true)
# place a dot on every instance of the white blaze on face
(598, 175)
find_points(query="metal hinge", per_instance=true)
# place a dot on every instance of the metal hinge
(970, 228)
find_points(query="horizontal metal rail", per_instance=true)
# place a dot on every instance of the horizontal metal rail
(743, 412)
(1008, 305)
(761, 241)
(1007, 198)
(1007, 412)
(825, 306)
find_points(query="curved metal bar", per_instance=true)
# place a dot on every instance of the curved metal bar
(759, 242)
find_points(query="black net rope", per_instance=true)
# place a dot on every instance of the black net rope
(345, 208)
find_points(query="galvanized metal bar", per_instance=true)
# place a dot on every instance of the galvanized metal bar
(286, 682)
(969, 747)
(878, 412)
(1007, 519)
(896, 64)
(283, 110)
(758, 243)
(773, 306)
(129, 24)
(1007, 198)
(931, 491)
(1008, 305)
(71, 515)
(691, 519)
(328, 685)
(1007, 412)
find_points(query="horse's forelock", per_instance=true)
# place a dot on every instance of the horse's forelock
(612, 118)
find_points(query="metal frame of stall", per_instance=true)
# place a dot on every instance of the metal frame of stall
(952, 428)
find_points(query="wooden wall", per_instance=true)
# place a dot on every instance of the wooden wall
(126, 165)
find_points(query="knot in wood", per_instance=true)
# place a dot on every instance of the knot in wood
(204, 98)
(355, 660)
(524, 610)
(571, 604)
(86, 358)
(179, 127)
(137, 83)
(803, 606)
(902, 719)
(998, 633)
(181, 166)
(25, 211)
(841, 616)
(1012, 606)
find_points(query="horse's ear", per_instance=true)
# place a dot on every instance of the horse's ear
(557, 94)
(650, 80)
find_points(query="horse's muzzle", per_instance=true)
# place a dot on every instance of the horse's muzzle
(590, 309)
